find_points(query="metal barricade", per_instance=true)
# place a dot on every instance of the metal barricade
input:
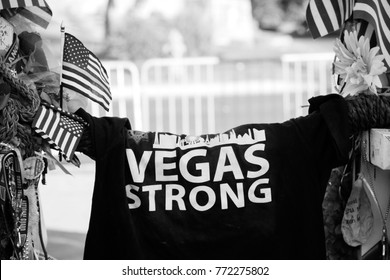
(307, 75)
(206, 95)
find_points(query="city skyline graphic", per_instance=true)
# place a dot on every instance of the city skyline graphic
(172, 141)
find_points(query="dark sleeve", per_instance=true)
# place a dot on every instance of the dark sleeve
(364, 111)
(102, 134)
(333, 110)
(109, 211)
(320, 141)
(347, 117)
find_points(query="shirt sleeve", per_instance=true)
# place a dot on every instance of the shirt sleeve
(102, 134)
(334, 112)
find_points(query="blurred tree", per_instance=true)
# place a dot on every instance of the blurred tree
(193, 24)
(107, 18)
(268, 13)
(275, 15)
(108, 14)
(135, 38)
(138, 38)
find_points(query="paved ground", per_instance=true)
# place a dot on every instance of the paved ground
(66, 204)
(64, 245)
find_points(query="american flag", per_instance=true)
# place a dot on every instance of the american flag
(35, 11)
(377, 14)
(365, 29)
(58, 128)
(326, 16)
(83, 73)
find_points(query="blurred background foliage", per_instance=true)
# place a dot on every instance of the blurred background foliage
(137, 30)
(141, 38)
(281, 15)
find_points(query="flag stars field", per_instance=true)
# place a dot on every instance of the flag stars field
(82, 72)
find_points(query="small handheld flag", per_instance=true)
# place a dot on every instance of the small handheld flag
(83, 72)
(61, 129)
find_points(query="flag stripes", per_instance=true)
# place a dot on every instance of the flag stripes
(36, 15)
(7, 4)
(348, 4)
(58, 128)
(81, 81)
(326, 16)
(97, 68)
(83, 73)
(365, 29)
(47, 138)
(36, 11)
(86, 80)
(377, 13)
(317, 27)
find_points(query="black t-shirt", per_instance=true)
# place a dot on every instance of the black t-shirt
(253, 192)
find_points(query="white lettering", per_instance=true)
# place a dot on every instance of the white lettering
(194, 166)
(161, 166)
(178, 197)
(227, 153)
(265, 191)
(152, 195)
(138, 171)
(238, 199)
(251, 158)
(203, 167)
(211, 198)
(136, 201)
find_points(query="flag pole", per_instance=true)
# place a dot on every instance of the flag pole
(62, 28)
(62, 61)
